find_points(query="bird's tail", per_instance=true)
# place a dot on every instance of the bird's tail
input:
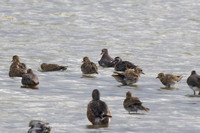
(63, 67)
(144, 108)
(179, 78)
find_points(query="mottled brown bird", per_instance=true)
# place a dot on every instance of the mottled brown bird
(17, 69)
(169, 80)
(123, 65)
(37, 126)
(88, 67)
(128, 77)
(98, 112)
(193, 82)
(106, 60)
(30, 79)
(52, 67)
(133, 104)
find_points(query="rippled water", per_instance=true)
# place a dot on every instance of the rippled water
(157, 35)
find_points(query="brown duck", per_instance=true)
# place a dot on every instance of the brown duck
(52, 67)
(133, 104)
(88, 67)
(37, 126)
(123, 65)
(98, 112)
(169, 80)
(128, 77)
(30, 79)
(106, 60)
(193, 82)
(17, 69)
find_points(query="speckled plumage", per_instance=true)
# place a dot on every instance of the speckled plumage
(133, 104)
(128, 77)
(98, 112)
(88, 67)
(168, 79)
(37, 126)
(17, 69)
(52, 67)
(30, 79)
(123, 65)
(193, 82)
(106, 60)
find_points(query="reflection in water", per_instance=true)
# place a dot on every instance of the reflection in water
(88, 76)
(30, 87)
(168, 88)
(192, 95)
(96, 126)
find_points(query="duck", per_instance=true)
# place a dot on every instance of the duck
(17, 69)
(29, 79)
(128, 77)
(133, 104)
(193, 82)
(98, 112)
(169, 80)
(106, 60)
(88, 67)
(37, 126)
(52, 67)
(123, 65)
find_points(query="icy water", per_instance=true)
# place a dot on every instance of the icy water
(156, 35)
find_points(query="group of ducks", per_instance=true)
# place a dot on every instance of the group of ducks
(98, 112)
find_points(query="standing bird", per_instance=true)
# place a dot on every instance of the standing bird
(123, 65)
(17, 69)
(38, 126)
(30, 79)
(169, 80)
(88, 67)
(52, 67)
(133, 104)
(193, 82)
(98, 112)
(128, 77)
(106, 60)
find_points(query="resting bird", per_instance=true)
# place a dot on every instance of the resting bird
(123, 65)
(30, 79)
(38, 126)
(193, 82)
(133, 104)
(106, 60)
(17, 69)
(88, 67)
(169, 80)
(128, 77)
(98, 112)
(52, 67)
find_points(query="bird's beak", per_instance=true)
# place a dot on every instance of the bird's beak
(143, 73)
(157, 77)
(102, 53)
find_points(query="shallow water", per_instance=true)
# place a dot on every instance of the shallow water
(157, 35)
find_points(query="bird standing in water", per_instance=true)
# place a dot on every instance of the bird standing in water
(30, 79)
(106, 60)
(88, 67)
(193, 82)
(169, 80)
(98, 112)
(17, 69)
(133, 104)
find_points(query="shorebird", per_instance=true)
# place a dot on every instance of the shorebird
(30, 79)
(106, 60)
(123, 65)
(169, 80)
(37, 126)
(88, 67)
(133, 104)
(193, 82)
(128, 77)
(17, 69)
(52, 67)
(98, 112)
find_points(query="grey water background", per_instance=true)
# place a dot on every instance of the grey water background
(156, 35)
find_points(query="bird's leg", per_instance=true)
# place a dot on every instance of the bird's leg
(194, 92)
